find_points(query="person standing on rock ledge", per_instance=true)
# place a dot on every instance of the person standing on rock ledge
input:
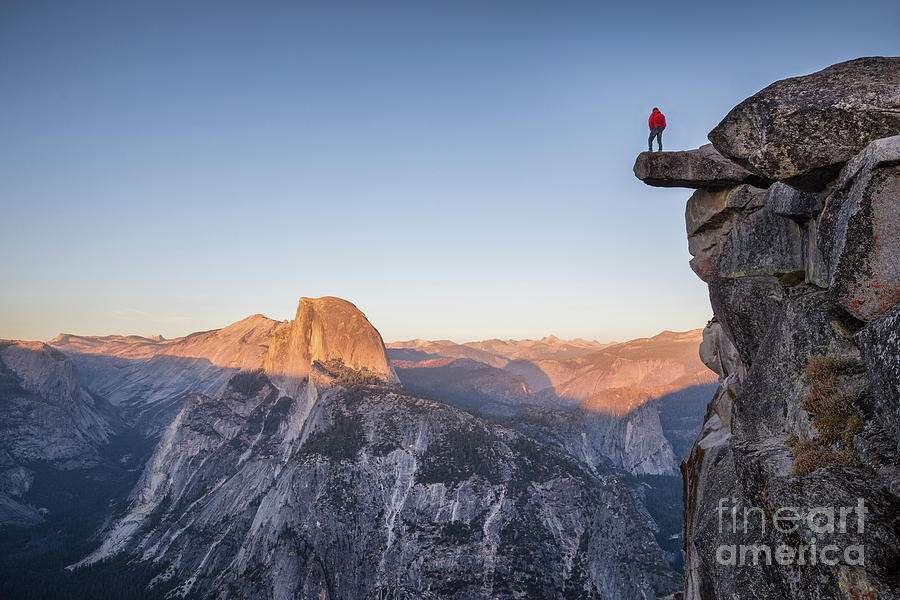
(657, 124)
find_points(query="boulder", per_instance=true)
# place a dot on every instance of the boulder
(706, 248)
(859, 231)
(709, 218)
(709, 209)
(700, 168)
(734, 233)
(879, 345)
(786, 201)
(746, 307)
(761, 243)
(803, 129)
(717, 351)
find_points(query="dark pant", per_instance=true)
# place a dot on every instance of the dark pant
(656, 132)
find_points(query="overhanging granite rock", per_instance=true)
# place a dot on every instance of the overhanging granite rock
(801, 130)
(700, 168)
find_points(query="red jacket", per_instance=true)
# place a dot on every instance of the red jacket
(657, 119)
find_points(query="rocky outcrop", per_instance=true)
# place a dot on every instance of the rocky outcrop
(859, 231)
(800, 206)
(700, 168)
(802, 130)
(879, 345)
(803, 283)
(324, 477)
(326, 329)
(148, 379)
(47, 415)
(628, 410)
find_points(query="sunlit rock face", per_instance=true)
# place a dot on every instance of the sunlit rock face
(627, 410)
(310, 473)
(326, 329)
(803, 282)
(148, 379)
(367, 491)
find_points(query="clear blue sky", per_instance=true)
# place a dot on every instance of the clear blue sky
(457, 169)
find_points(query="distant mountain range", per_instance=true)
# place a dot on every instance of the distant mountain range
(631, 408)
(498, 353)
(304, 458)
(592, 383)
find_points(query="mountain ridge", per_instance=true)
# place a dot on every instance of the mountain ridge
(284, 471)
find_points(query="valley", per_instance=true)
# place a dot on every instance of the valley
(306, 457)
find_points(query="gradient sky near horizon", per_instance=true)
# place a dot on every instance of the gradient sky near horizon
(458, 170)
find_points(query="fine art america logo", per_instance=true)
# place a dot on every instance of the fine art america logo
(822, 525)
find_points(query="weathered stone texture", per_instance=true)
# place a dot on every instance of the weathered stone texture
(788, 202)
(859, 232)
(703, 167)
(803, 129)
(746, 306)
(761, 243)
(710, 217)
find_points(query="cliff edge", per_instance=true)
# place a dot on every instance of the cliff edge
(791, 489)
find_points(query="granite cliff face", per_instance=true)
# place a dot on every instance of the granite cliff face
(48, 421)
(317, 477)
(804, 280)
